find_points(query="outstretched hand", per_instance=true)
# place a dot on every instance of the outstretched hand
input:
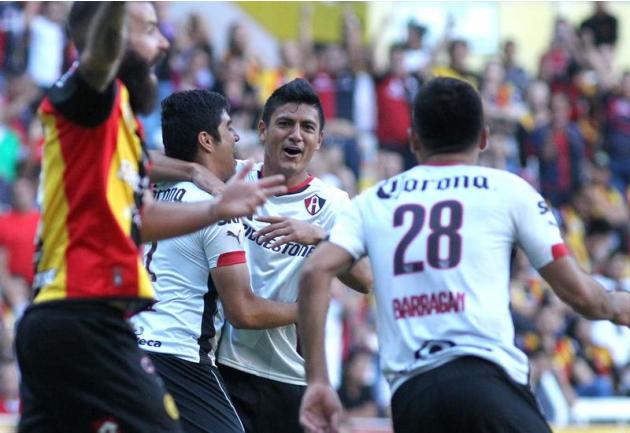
(242, 197)
(285, 230)
(320, 409)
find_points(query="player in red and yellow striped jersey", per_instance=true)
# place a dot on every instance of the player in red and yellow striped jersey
(81, 367)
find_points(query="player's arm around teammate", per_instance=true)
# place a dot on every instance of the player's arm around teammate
(165, 169)
(281, 229)
(164, 220)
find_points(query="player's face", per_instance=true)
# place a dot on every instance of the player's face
(290, 140)
(224, 151)
(146, 46)
(145, 37)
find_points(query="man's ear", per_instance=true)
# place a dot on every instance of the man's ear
(414, 141)
(321, 140)
(262, 131)
(484, 139)
(205, 141)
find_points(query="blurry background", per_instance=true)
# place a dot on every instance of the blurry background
(556, 88)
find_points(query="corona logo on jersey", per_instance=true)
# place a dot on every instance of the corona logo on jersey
(314, 204)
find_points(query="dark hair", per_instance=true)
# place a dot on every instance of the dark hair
(78, 20)
(399, 46)
(448, 115)
(454, 43)
(297, 91)
(185, 115)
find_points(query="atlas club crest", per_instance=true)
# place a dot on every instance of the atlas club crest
(314, 204)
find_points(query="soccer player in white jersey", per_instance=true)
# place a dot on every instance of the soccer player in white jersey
(439, 237)
(263, 369)
(192, 273)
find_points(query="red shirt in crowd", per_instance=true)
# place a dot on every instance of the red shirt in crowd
(394, 112)
(17, 236)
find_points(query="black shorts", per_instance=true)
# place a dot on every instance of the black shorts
(83, 372)
(264, 405)
(466, 395)
(200, 394)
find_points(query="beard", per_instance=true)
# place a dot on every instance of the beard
(135, 72)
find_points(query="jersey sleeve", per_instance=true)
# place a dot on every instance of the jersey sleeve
(222, 243)
(538, 231)
(78, 102)
(348, 231)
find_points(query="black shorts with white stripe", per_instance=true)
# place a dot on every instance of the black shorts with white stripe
(201, 397)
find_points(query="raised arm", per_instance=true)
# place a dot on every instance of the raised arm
(104, 45)
(243, 309)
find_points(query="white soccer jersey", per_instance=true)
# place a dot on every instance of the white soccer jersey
(439, 239)
(186, 321)
(273, 353)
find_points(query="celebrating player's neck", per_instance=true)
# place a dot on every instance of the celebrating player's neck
(293, 178)
(449, 158)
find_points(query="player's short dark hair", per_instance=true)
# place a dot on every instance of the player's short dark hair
(79, 18)
(186, 114)
(297, 91)
(448, 115)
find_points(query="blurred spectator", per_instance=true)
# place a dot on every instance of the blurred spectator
(601, 242)
(357, 385)
(9, 154)
(290, 68)
(239, 47)
(14, 20)
(457, 64)
(47, 43)
(616, 134)
(503, 108)
(592, 365)
(17, 230)
(242, 96)
(395, 91)
(417, 55)
(537, 114)
(606, 202)
(561, 55)
(194, 46)
(9, 388)
(198, 72)
(601, 24)
(514, 73)
(336, 85)
(560, 148)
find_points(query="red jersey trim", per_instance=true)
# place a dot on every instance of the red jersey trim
(231, 258)
(559, 250)
(297, 188)
(300, 186)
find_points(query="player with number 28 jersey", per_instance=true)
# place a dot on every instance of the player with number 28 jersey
(414, 226)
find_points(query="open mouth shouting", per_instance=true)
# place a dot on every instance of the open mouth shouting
(292, 152)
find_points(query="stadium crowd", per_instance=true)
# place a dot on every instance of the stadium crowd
(564, 128)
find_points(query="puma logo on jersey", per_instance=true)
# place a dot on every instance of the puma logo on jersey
(314, 204)
(237, 236)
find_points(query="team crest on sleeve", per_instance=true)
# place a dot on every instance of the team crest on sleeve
(314, 204)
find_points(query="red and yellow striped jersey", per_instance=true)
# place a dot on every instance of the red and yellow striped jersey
(93, 176)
